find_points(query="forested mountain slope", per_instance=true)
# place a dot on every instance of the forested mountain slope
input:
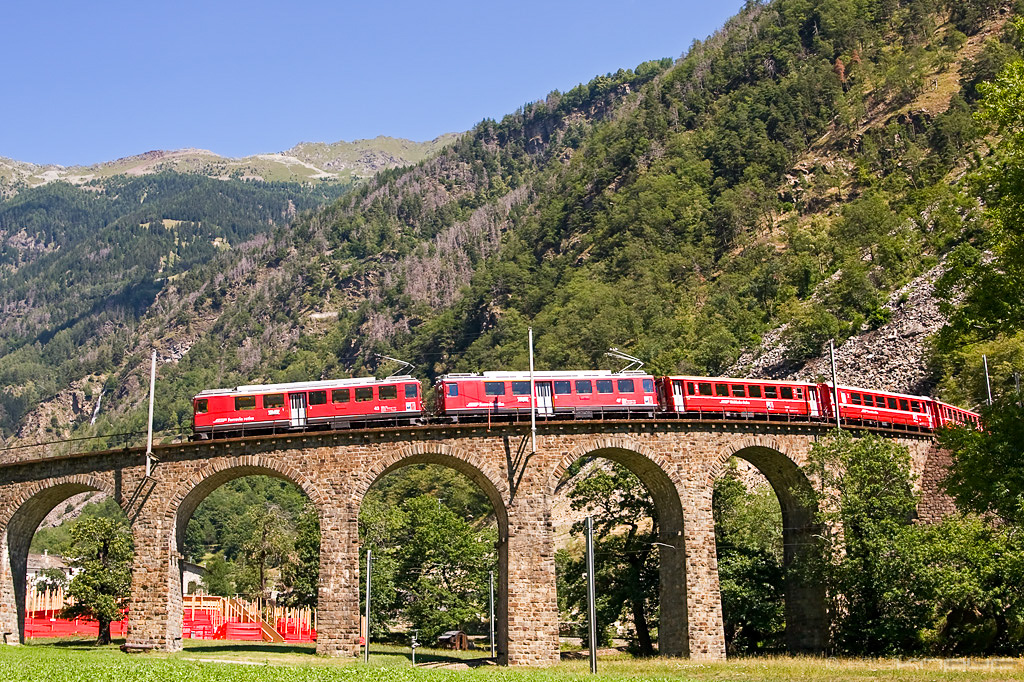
(793, 169)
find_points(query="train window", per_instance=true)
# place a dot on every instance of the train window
(202, 406)
(754, 391)
(364, 394)
(494, 387)
(453, 390)
(855, 398)
(722, 390)
(520, 388)
(915, 406)
(604, 386)
(388, 392)
(584, 386)
(738, 391)
(892, 404)
(786, 392)
(563, 387)
(626, 386)
(771, 392)
(691, 389)
(799, 393)
(648, 385)
(273, 400)
(411, 390)
(318, 397)
(245, 402)
(705, 388)
(869, 400)
(340, 395)
(904, 405)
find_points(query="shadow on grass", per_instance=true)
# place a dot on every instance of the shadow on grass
(83, 643)
(214, 646)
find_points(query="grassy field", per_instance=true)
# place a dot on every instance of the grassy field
(75, 661)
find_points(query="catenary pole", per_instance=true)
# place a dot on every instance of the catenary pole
(988, 384)
(835, 381)
(591, 596)
(491, 603)
(533, 400)
(366, 642)
(149, 434)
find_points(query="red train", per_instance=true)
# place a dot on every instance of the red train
(334, 404)
(583, 394)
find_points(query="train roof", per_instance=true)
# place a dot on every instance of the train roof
(305, 385)
(547, 374)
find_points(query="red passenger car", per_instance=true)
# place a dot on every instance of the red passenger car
(336, 403)
(697, 396)
(866, 406)
(945, 414)
(584, 394)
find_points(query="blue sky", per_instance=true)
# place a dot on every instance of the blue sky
(90, 82)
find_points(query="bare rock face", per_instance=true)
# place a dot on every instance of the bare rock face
(891, 357)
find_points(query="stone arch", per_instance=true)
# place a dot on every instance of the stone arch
(805, 609)
(662, 481)
(471, 465)
(193, 490)
(481, 473)
(190, 493)
(19, 520)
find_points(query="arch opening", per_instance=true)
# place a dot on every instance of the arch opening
(246, 558)
(640, 551)
(766, 538)
(437, 526)
(39, 561)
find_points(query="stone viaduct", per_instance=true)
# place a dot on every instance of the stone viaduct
(678, 461)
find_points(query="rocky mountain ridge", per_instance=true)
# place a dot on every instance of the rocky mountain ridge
(305, 162)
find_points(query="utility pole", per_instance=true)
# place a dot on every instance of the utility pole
(149, 436)
(591, 596)
(366, 642)
(533, 400)
(988, 383)
(491, 602)
(835, 381)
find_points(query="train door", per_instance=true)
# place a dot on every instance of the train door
(545, 406)
(677, 395)
(812, 401)
(298, 405)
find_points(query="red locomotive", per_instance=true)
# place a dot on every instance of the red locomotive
(584, 394)
(334, 404)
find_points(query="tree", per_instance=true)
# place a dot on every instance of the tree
(443, 567)
(748, 537)
(219, 577)
(992, 288)
(626, 570)
(987, 474)
(101, 552)
(301, 574)
(265, 543)
(872, 568)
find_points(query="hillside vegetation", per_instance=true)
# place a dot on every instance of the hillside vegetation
(793, 169)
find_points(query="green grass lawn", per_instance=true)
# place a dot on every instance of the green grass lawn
(78, 661)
